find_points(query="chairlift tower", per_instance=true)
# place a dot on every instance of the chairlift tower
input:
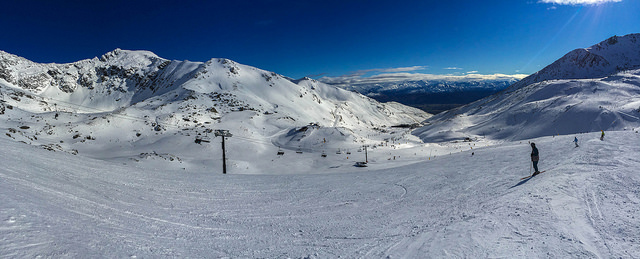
(366, 158)
(1, 102)
(224, 134)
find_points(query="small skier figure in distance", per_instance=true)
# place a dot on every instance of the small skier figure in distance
(575, 140)
(535, 158)
(602, 135)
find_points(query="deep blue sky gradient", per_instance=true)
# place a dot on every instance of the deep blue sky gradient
(301, 38)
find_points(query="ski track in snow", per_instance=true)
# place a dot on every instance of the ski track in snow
(585, 205)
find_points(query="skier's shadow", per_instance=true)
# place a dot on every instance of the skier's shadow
(521, 182)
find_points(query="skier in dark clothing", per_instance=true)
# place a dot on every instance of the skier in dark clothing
(535, 158)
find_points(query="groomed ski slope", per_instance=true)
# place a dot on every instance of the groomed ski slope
(586, 205)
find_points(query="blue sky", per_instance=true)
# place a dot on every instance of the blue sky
(324, 38)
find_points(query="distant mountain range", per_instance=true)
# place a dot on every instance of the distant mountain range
(435, 96)
(431, 95)
(587, 90)
(431, 86)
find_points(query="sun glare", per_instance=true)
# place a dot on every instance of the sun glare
(579, 2)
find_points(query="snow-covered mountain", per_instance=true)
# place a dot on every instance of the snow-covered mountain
(618, 53)
(135, 104)
(586, 90)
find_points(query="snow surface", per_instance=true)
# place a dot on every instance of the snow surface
(585, 205)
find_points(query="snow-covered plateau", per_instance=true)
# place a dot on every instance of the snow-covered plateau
(118, 156)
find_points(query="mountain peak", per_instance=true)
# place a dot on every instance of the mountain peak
(129, 55)
(297, 81)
